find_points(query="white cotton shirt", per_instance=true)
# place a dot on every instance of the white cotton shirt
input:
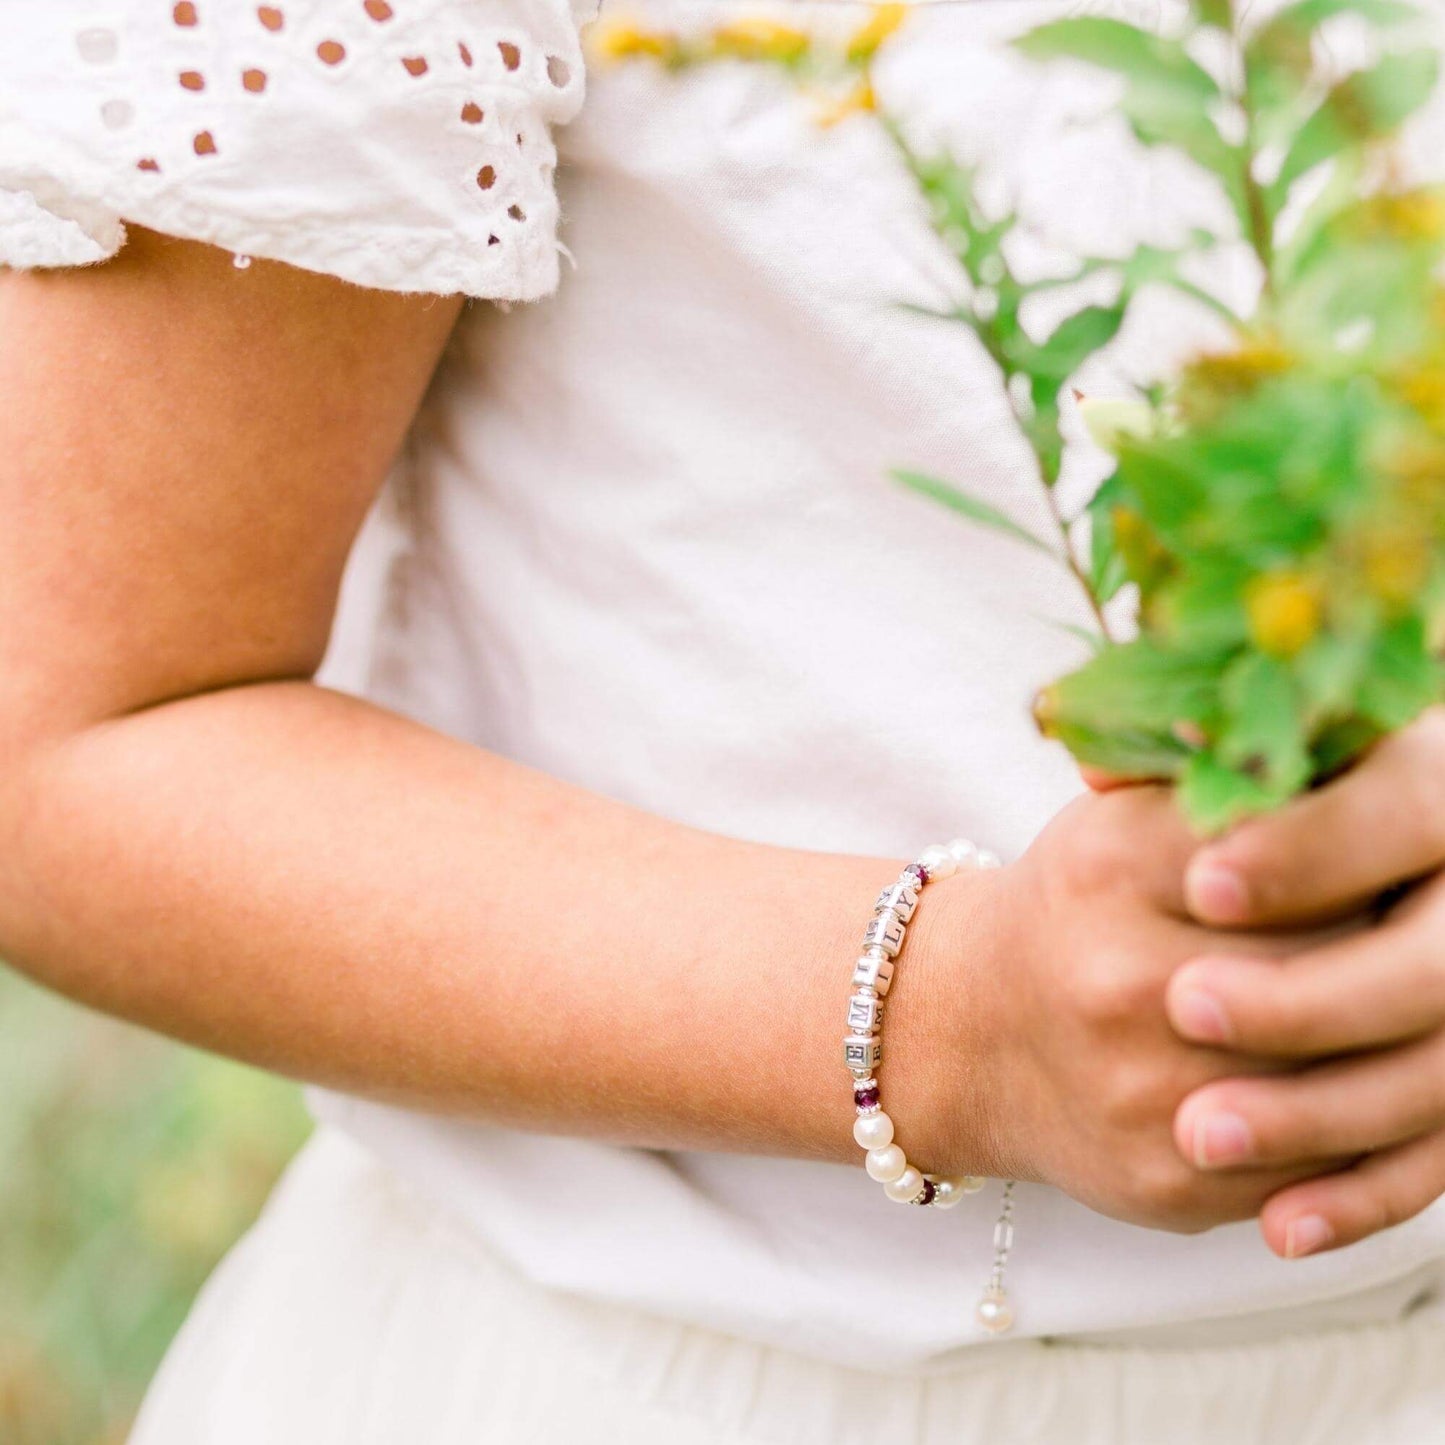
(644, 539)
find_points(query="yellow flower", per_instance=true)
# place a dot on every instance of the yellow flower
(1213, 380)
(1396, 567)
(882, 23)
(1425, 391)
(753, 38)
(1145, 557)
(860, 100)
(1413, 215)
(623, 40)
(1393, 551)
(1284, 611)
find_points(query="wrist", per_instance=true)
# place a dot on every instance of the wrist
(939, 1073)
(949, 1139)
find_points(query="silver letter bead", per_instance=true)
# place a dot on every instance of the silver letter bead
(874, 970)
(862, 1051)
(899, 898)
(885, 932)
(865, 1013)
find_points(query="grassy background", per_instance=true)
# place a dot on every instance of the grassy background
(128, 1165)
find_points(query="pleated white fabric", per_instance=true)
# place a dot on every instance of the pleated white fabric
(358, 1312)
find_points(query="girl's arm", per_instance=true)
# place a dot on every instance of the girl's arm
(195, 836)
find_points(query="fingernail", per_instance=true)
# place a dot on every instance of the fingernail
(1221, 1139)
(1201, 1016)
(1216, 892)
(1305, 1234)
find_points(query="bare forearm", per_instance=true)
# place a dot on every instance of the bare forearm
(300, 879)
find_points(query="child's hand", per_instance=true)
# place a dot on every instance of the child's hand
(1033, 1016)
(1370, 1007)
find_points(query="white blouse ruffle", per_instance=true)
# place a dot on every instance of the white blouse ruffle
(400, 144)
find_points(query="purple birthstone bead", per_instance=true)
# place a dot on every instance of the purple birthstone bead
(919, 871)
(928, 1192)
(866, 1098)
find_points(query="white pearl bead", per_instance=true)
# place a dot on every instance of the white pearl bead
(963, 852)
(987, 858)
(938, 861)
(873, 1131)
(946, 1193)
(907, 1187)
(972, 1183)
(885, 1164)
(994, 1312)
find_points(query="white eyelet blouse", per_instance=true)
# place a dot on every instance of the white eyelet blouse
(645, 537)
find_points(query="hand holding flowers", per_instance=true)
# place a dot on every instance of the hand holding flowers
(1362, 1016)
(1277, 515)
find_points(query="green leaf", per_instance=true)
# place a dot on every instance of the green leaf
(1304, 17)
(971, 507)
(1107, 570)
(1093, 639)
(1218, 14)
(975, 238)
(1328, 671)
(1341, 743)
(1215, 797)
(1133, 688)
(1264, 725)
(1203, 607)
(1123, 754)
(1401, 679)
(1366, 106)
(1365, 265)
(1071, 344)
(1148, 61)
(1168, 95)
(1282, 61)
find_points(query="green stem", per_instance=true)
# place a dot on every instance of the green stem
(993, 344)
(1260, 225)
(1070, 560)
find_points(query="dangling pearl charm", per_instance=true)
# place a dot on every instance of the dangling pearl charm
(994, 1312)
(241, 263)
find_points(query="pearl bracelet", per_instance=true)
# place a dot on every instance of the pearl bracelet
(863, 1054)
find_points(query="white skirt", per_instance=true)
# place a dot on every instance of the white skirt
(357, 1313)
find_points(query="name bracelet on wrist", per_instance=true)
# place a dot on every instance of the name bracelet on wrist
(863, 1053)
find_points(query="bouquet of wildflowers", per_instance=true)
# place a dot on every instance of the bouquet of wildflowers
(1276, 510)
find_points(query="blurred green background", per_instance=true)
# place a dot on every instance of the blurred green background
(128, 1165)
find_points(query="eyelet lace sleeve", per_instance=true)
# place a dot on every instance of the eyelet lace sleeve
(400, 144)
